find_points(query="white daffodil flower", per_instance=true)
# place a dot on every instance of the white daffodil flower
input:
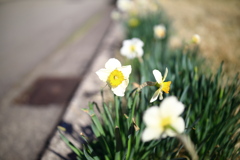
(115, 15)
(196, 39)
(124, 5)
(162, 86)
(132, 48)
(115, 75)
(163, 121)
(159, 31)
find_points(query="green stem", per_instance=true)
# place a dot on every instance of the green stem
(187, 143)
(148, 83)
(129, 147)
(134, 106)
(116, 100)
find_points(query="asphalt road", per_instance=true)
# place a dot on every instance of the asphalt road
(32, 30)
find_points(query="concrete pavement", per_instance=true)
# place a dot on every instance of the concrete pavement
(25, 128)
(32, 30)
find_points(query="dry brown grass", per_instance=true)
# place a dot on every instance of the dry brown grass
(218, 24)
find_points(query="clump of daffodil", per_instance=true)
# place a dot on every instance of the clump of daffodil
(159, 31)
(133, 22)
(115, 75)
(132, 48)
(161, 84)
(196, 39)
(164, 120)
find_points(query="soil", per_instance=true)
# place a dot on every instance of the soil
(218, 24)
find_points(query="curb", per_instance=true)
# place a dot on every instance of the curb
(75, 120)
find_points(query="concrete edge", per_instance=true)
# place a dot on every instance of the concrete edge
(87, 91)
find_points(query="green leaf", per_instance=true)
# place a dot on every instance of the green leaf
(86, 154)
(119, 145)
(73, 148)
(95, 119)
(184, 94)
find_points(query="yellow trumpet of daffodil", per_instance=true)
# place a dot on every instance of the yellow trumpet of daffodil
(161, 84)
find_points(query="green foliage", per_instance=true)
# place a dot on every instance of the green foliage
(77, 151)
(210, 115)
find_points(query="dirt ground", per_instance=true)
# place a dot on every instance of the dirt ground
(218, 24)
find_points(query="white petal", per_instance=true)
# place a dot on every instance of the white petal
(170, 106)
(152, 117)
(169, 132)
(124, 50)
(161, 95)
(158, 76)
(120, 90)
(165, 74)
(139, 52)
(127, 43)
(112, 64)
(103, 74)
(155, 95)
(179, 125)
(124, 5)
(126, 70)
(151, 133)
(160, 27)
(131, 55)
(137, 42)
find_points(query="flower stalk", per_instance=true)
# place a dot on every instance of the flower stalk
(148, 83)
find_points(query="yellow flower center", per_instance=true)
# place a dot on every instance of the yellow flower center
(132, 48)
(166, 86)
(133, 22)
(115, 78)
(165, 122)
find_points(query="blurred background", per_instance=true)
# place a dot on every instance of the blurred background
(46, 48)
(218, 24)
